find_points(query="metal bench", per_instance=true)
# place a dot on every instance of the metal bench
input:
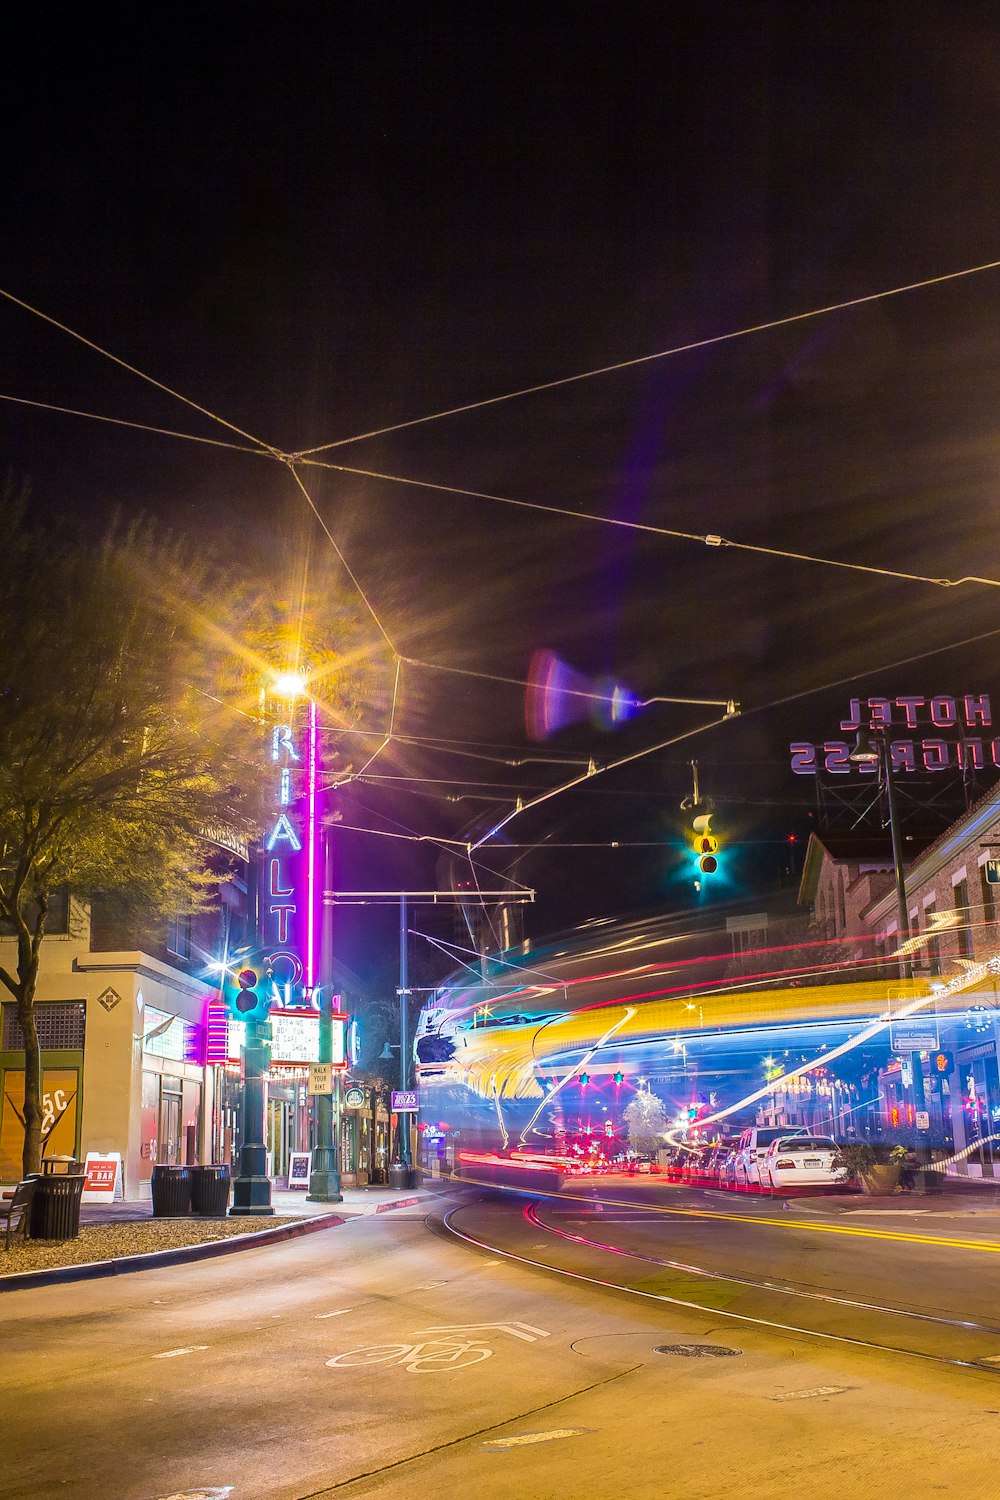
(18, 1206)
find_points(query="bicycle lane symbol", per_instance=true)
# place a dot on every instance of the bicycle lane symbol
(440, 1355)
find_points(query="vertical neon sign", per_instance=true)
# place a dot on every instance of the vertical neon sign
(311, 855)
(288, 909)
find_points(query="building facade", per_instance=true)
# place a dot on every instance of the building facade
(945, 1092)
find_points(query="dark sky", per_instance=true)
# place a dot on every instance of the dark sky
(320, 220)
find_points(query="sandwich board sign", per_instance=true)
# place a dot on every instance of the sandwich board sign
(102, 1172)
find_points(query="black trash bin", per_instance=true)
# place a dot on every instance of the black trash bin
(55, 1208)
(171, 1188)
(210, 1190)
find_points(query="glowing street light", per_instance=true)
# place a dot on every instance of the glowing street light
(290, 685)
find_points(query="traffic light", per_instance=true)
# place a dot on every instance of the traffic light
(246, 1003)
(584, 1079)
(705, 844)
(618, 1078)
(942, 1062)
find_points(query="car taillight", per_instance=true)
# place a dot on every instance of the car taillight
(784, 1164)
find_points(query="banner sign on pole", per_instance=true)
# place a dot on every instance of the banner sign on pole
(404, 1101)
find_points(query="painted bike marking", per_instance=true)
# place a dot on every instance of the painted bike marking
(502, 1444)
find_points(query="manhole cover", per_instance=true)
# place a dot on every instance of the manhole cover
(696, 1351)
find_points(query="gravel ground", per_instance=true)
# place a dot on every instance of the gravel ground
(111, 1241)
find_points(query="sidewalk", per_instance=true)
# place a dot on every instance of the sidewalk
(122, 1237)
(956, 1198)
(287, 1203)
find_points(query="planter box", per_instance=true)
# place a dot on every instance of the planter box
(882, 1179)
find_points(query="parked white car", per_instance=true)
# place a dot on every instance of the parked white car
(794, 1161)
(750, 1153)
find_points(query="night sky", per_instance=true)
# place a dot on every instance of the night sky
(321, 221)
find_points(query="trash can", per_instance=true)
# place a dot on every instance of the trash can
(210, 1190)
(55, 1208)
(399, 1174)
(171, 1188)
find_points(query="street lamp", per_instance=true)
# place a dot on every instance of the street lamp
(871, 749)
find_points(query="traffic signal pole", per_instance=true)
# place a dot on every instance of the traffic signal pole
(324, 1170)
(252, 1188)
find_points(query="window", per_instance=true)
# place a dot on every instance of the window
(179, 935)
(56, 916)
(933, 948)
(963, 932)
(987, 893)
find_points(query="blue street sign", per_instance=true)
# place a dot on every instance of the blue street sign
(993, 872)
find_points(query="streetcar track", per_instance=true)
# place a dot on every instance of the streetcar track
(974, 1366)
(782, 1288)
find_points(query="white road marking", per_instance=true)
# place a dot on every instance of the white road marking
(537, 1437)
(426, 1286)
(173, 1353)
(440, 1355)
(215, 1493)
(338, 1313)
(523, 1331)
(990, 1359)
(816, 1390)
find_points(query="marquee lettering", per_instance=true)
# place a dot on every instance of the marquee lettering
(972, 711)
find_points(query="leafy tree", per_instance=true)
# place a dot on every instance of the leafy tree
(118, 746)
(646, 1122)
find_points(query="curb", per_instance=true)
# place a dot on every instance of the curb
(94, 1270)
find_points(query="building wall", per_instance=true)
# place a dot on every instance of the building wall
(954, 946)
(118, 991)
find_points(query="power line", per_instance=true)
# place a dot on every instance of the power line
(709, 539)
(134, 370)
(94, 416)
(642, 359)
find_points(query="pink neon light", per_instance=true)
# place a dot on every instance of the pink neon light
(311, 855)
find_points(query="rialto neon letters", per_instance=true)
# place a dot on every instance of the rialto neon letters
(968, 745)
(288, 885)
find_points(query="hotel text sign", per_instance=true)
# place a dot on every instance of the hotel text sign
(915, 742)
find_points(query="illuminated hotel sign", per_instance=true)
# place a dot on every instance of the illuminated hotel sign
(920, 746)
(288, 875)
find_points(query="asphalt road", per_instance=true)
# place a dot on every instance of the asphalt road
(388, 1357)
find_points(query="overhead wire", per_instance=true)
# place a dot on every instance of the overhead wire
(307, 456)
(134, 370)
(709, 539)
(642, 359)
(94, 416)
